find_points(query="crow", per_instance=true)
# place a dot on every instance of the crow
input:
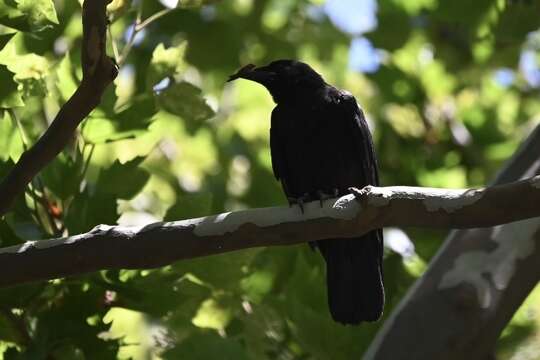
(321, 146)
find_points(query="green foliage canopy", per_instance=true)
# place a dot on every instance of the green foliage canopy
(170, 141)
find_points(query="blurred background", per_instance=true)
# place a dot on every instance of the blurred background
(450, 90)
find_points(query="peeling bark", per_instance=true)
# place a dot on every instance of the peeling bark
(475, 283)
(159, 244)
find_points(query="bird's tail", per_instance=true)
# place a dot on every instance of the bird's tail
(354, 277)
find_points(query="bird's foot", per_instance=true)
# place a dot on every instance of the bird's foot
(361, 195)
(325, 196)
(300, 201)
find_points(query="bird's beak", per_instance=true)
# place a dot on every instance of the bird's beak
(251, 72)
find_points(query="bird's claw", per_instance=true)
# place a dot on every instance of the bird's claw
(360, 194)
(325, 196)
(300, 201)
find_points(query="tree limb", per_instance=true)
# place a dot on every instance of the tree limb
(159, 244)
(98, 72)
(473, 286)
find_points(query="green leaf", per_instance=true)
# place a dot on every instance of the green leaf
(207, 346)
(8, 330)
(63, 175)
(58, 322)
(66, 81)
(130, 122)
(7, 235)
(30, 71)
(212, 314)
(470, 19)
(166, 62)
(160, 292)
(10, 141)
(123, 180)
(4, 39)
(190, 206)
(195, 3)
(9, 97)
(11, 16)
(185, 100)
(5, 166)
(219, 271)
(20, 296)
(39, 11)
(28, 15)
(87, 211)
(137, 115)
(258, 284)
(393, 30)
(269, 272)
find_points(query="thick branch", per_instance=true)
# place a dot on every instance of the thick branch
(115, 247)
(98, 72)
(473, 285)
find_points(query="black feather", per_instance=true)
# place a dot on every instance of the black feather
(320, 141)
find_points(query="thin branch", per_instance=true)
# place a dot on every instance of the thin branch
(159, 244)
(22, 133)
(87, 161)
(116, 53)
(138, 26)
(152, 18)
(43, 200)
(98, 72)
(129, 44)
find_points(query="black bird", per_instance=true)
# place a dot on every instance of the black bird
(321, 145)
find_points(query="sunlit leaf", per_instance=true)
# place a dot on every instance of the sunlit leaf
(212, 315)
(66, 81)
(11, 145)
(30, 70)
(4, 39)
(166, 62)
(128, 123)
(28, 15)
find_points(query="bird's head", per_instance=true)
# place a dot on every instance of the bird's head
(284, 79)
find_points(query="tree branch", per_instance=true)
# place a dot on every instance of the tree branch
(473, 286)
(159, 244)
(98, 72)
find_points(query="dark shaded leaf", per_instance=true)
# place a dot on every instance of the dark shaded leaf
(207, 346)
(7, 235)
(9, 97)
(190, 206)
(185, 100)
(4, 39)
(123, 181)
(63, 175)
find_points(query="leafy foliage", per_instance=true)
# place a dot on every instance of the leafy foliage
(450, 99)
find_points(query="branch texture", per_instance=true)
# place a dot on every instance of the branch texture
(98, 72)
(159, 244)
(475, 283)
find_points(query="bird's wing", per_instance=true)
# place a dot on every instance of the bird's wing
(360, 141)
(279, 164)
